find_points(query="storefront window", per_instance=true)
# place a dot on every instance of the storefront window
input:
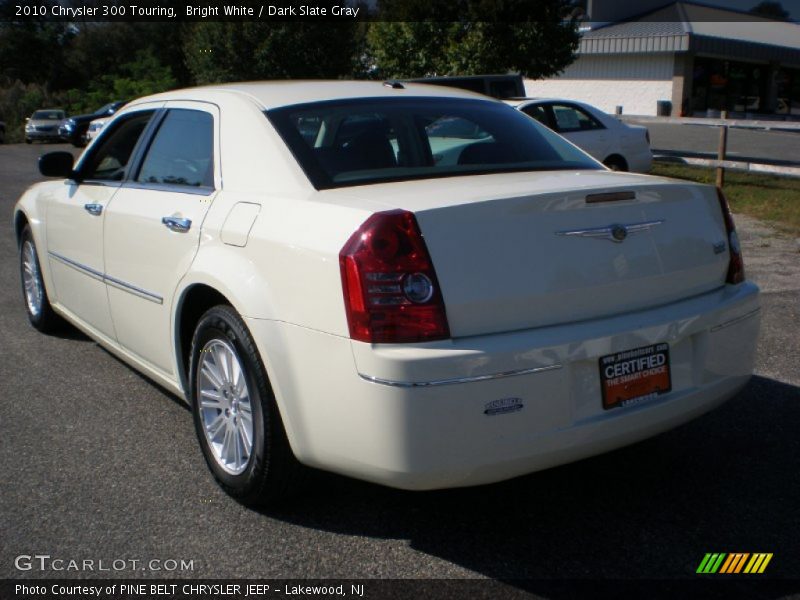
(729, 85)
(783, 83)
(794, 104)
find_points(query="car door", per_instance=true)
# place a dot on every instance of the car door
(582, 129)
(74, 223)
(152, 227)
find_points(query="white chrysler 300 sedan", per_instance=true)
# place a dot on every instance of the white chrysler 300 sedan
(330, 283)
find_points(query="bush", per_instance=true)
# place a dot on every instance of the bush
(18, 101)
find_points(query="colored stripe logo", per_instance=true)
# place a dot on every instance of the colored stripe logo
(733, 563)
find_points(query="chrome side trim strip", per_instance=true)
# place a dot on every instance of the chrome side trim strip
(112, 281)
(199, 190)
(738, 319)
(136, 291)
(76, 265)
(414, 384)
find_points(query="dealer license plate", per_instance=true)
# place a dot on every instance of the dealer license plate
(634, 375)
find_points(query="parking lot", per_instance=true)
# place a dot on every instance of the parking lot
(99, 463)
(746, 145)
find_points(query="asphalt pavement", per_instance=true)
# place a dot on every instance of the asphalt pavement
(100, 464)
(746, 145)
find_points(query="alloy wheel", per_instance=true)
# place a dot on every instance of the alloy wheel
(225, 408)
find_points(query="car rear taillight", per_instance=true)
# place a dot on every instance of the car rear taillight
(391, 293)
(736, 264)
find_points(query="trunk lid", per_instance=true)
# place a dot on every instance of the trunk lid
(517, 251)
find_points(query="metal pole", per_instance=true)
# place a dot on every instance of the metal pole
(723, 146)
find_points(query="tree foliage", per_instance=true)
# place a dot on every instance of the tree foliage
(81, 65)
(468, 37)
(224, 51)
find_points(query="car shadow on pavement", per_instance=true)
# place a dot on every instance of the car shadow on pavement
(167, 393)
(67, 331)
(727, 482)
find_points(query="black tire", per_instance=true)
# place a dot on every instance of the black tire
(45, 320)
(27, 140)
(616, 163)
(271, 469)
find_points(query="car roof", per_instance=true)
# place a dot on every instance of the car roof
(275, 94)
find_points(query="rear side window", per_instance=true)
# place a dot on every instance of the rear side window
(571, 118)
(182, 151)
(362, 141)
(111, 155)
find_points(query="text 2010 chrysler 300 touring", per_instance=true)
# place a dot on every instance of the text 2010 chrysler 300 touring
(406, 284)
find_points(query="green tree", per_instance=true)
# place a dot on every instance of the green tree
(32, 52)
(770, 10)
(227, 51)
(108, 49)
(142, 76)
(417, 38)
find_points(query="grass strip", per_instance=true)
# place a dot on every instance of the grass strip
(766, 197)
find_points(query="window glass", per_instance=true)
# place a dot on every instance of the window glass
(108, 160)
(503, 89)
(309, 128)
(449, 126)
(359, 141)
(181, 152)
(572, 118)
(449, 138)
(538, 112)
(48, 115)
(794, 97)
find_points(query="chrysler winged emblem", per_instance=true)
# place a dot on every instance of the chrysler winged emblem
(616, 232)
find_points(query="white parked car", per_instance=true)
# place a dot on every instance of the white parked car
(409, 285)
(619, 146)
(95, 127)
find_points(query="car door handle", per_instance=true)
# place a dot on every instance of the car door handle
(177, 224)
(93, 209)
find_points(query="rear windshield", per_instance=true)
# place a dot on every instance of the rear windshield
(357, 142)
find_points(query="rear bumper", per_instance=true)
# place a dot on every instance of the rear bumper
(424, 416)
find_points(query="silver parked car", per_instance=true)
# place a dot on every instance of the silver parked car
(43, 125)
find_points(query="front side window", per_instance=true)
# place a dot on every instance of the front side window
(182, 151)
(571, 118)
(362, 141)
(107, 161)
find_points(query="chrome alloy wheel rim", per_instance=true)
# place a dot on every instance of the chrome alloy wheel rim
(225, 408)
(31, 280)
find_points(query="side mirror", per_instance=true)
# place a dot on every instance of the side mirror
(56, 164)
